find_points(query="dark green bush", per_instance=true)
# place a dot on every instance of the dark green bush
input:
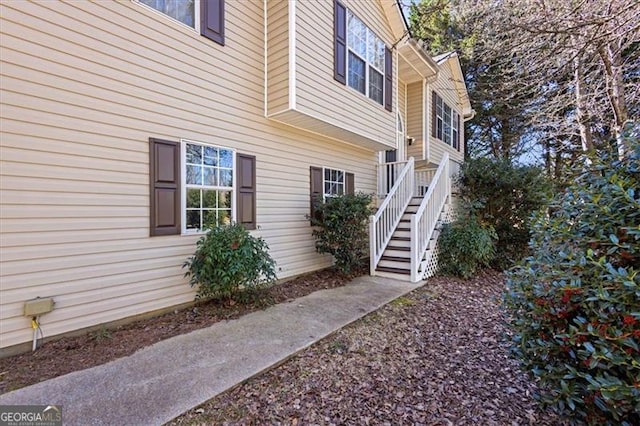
(229, 259)
(342, 229)
(465, 246)
(504, 196)
(575, 304)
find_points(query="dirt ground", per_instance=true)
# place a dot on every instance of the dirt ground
(65, 355)
(434, 357)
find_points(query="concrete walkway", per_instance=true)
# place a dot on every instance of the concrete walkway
(162, 381)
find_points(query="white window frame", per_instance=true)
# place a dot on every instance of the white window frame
(196, 14)
(184, 186)
(325, 195)
(368, 33)
(451, 124)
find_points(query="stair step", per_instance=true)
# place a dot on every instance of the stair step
(402, 228)
(393, 270)
(400, 239)
(396, 259)
(400, 248)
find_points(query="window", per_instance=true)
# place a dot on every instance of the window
(180, 10)
(208, 186)
(366, 59)
(328, 183)
(205, 16)
(446, 126)
(333, 183)
(194, 181)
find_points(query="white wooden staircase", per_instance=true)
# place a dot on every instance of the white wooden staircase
(404, 230)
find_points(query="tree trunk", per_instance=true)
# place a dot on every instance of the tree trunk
(612, 60)
(581, 107)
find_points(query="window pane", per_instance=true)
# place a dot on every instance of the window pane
(194, 154)
(210, 156)
(210, 219)
(375, 51)
(327, 174)
(226, 177)
(181, 10)
(339, 176)
(209, 199)
(356, 35)
(224, 199)
(210, 176)
(193, 219)
(340, 189)
(193, 198)
(226, 158)
(357, 73)
(376, 86)
(224, 217)
(327, 187)
(194, 175)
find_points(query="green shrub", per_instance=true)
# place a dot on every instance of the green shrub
(504, 196)
(229, 259)
(342, 229)
(465, 246)
(575, 304)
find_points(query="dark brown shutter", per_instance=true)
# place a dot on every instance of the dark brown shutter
(434, 98)
(349, 183)
(212, 20)
(316, 189)
(246, 197)
(340, 43)
(388, 79)
(164, 177)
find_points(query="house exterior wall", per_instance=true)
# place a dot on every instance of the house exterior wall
(415, 117)
(316, 101)
(278, 57)
(84, 85)
(402, 102)
(446, 89)
(317, 93)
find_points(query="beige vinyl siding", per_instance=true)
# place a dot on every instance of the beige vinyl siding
(415, 116)
(84, 85)
(277, 56)
(317, 93)
(446, 89)
(402, 103)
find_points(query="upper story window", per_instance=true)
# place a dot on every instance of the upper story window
(446, 123)
(208, 186)
(205, 16)
(360, 58)
(365, 64)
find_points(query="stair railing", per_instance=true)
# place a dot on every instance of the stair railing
(424, 221)
(423, 179)
(383, 224)
(387, 176)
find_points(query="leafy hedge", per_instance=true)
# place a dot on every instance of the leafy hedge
(227, 260)
(504, 196)
(341, 229)
(575, 304)
(465, 246)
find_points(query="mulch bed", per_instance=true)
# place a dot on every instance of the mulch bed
(435, 357)
(68, 354)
